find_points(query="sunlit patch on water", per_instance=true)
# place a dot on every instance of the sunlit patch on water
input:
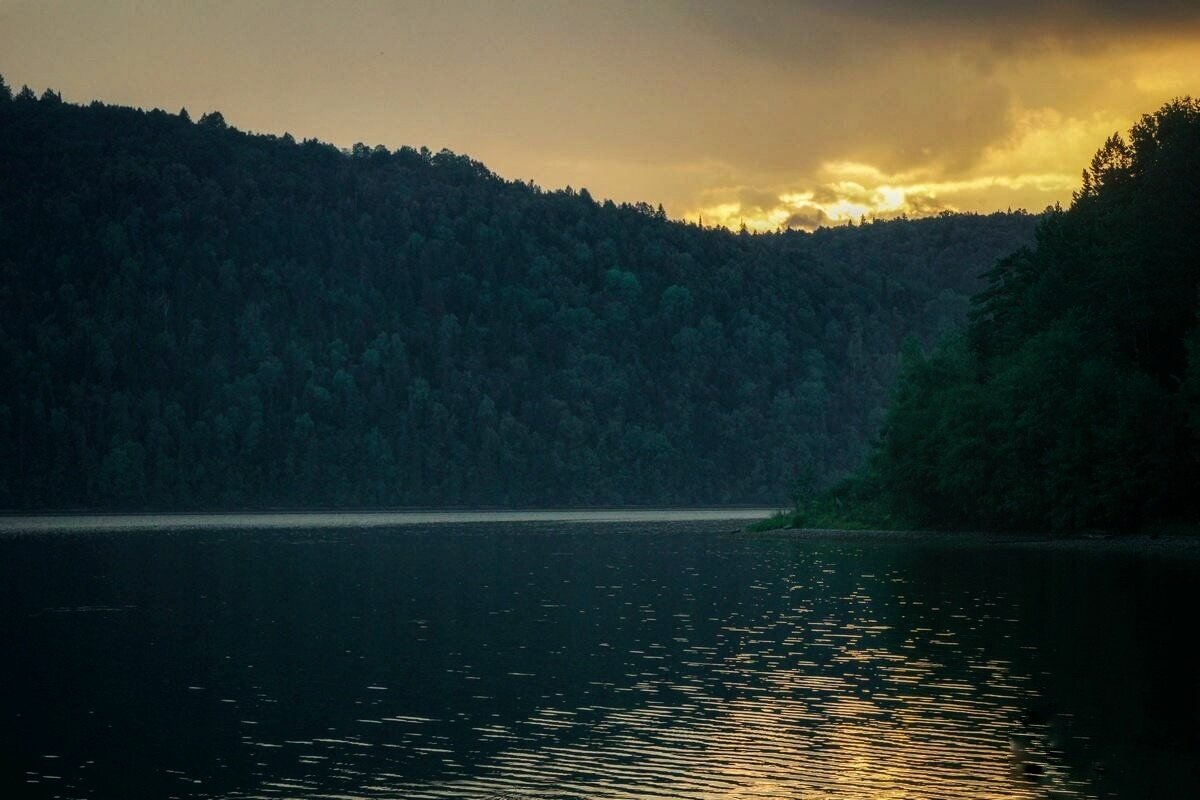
(816, 698)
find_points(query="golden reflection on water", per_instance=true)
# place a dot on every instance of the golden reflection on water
(823, 699)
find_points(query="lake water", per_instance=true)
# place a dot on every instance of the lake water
(630, 658)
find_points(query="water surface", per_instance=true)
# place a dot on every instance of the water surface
(628, 660)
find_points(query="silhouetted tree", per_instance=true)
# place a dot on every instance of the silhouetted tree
(1071, 401)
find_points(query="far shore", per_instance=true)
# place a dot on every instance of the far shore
(150, 522)
(1178, 542)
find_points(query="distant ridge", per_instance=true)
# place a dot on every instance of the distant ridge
(195, 317)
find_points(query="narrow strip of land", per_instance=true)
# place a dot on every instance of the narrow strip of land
(83, 523)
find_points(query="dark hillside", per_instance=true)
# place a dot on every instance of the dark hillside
(191, 316)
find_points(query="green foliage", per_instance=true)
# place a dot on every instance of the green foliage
(1191, 385)
(853, 504)
(1071, 402)
(191, 316)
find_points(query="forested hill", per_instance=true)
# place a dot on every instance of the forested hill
(197, 317)
(1073, 399)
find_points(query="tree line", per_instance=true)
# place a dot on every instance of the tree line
(1071, 401)
(198, 317)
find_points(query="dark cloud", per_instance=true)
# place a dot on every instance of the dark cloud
(921, 204)
(806, 219)
(924, 83)
(833, 30)
(750, 197)
(1066, 14)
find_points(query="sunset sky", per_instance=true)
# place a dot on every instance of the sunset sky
(768, 113)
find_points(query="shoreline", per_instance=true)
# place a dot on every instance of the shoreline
(1168, 544)
(156, 522)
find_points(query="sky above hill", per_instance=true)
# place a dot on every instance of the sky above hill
(759, 112)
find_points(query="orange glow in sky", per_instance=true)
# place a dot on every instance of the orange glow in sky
(761, 113)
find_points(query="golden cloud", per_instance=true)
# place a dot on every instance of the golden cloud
(1025, 169)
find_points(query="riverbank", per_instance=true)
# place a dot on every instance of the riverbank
(296, 520)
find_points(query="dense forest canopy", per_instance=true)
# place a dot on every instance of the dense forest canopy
(193, 316)
(1073, 399)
